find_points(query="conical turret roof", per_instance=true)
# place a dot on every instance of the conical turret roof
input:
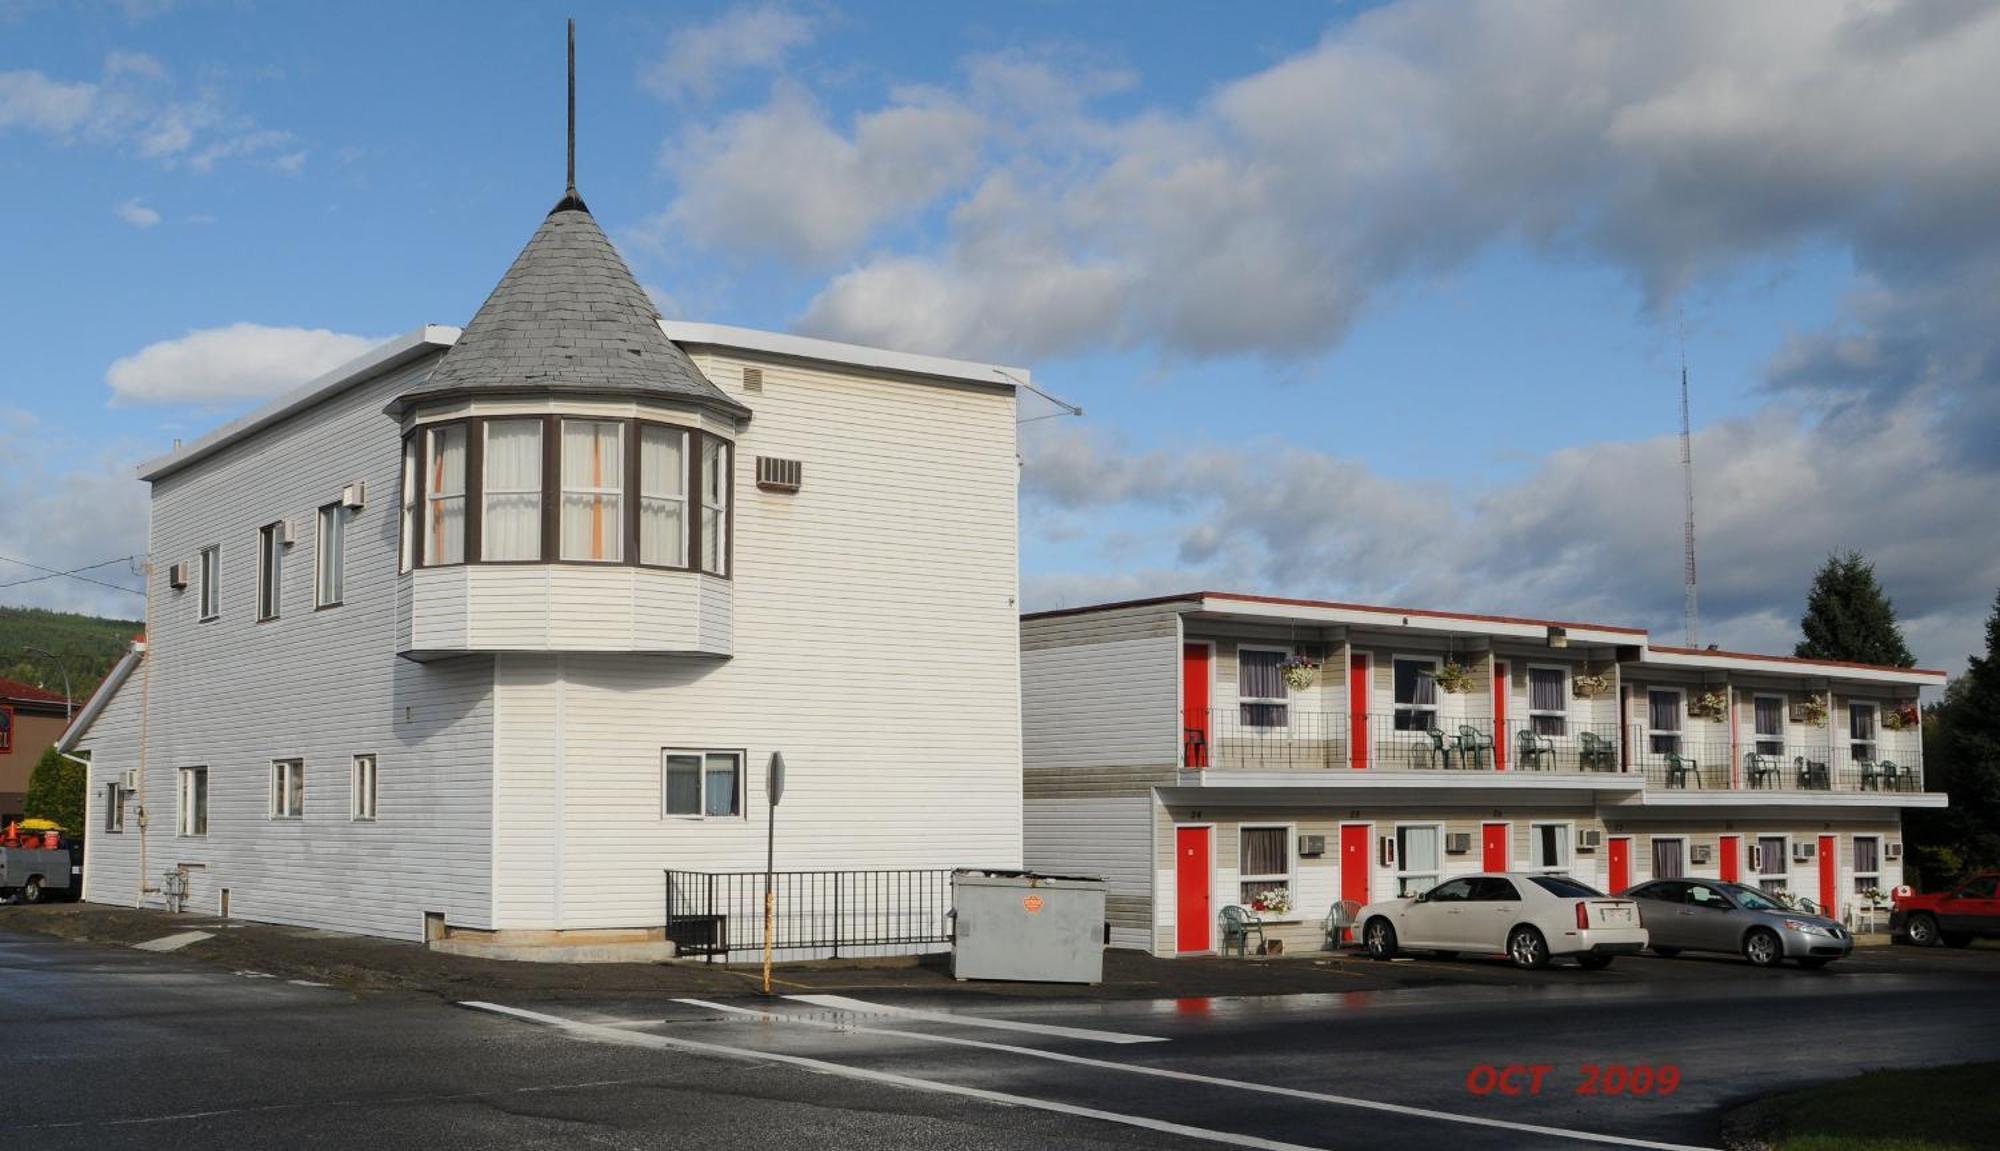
(568, 317)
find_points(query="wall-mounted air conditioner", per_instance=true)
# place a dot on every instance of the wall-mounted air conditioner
(354, 495)
(776, 475)
(130, 782)
(177, 576)
(1892, 851)
(1756, 858)
(1589, 839)
(1700, 853)
(1386, 850)
(1458, 843)
(1312, 845)
(1804, 850)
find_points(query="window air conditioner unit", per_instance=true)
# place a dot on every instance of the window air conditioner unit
(354, 495)
(1589, 839)
(1700, 853)
(130, 781)
(177, 576)
(776, 475)
(1312, 845)
(1804, 850)
(1892, 851)
(1387, 850)
(1756, 857)
(282, 533)
(1458, 843)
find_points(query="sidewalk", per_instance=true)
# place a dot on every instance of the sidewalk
(368, 965)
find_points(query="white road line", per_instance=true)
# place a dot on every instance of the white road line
(862, 1005)
(604, 1034)
(173, 942)
(1209, 1080)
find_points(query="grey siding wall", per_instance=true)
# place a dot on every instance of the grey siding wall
(232, 694)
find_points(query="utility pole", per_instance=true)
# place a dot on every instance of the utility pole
(774, 790)
(69, 701)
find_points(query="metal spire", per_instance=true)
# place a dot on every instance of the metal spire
(1692, 607)
(570, 186)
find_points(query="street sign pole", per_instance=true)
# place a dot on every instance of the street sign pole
(774, 790)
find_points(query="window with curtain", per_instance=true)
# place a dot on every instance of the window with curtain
(703, 784)
(1861, 730)
(211, 587)
(330, 565)
(1416, 859)
(714, 506)
(1669, 859)
(1416, 694)
(1867, 863)
(270, 570)
(192, 809)
(1663, 721)
(1264, 862)
(1260, 687)
(593, 487)
(663, 496)
(444, 497)
(1548, 705)
(511, 491)
(1773, 869)
(288, 789)
(1548, 846)
(406, 552)
(1770, 724)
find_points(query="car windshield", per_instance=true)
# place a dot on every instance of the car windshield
(1564, 887)
(1751, 899)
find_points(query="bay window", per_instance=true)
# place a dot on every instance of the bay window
(663, 479)
(714, 506)
(444, 496)
(511, 491)
(407, 541)
(593, 486)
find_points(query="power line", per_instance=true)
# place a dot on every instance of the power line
(53, 573)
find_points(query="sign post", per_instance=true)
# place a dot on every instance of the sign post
(774, 790)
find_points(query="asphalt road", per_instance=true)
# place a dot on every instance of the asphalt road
(110, 1048)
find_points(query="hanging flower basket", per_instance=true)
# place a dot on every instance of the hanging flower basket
(1709, 705)
(1589, 686)
(1299, 671)
(1454, 678)
(1810, 711)
(1902, 717)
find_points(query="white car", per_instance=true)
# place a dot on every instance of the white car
(1531, 918)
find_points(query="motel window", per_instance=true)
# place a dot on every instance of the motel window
(330, 565)
(714, 506)
(114, 807)
(511, 491)
(288, 788)
(1260, 687)
(593, 487)
(704, 784)
(1773, 869)
(444, 496)
(1417, 858)
(663, 496)
(362, 788)
(1669, 858)
(407, 540)
(1416, 694)
(1770, 724)
(1867, 863)
(1548, 846)
(192, 805)
(270, 570)
(1861, 732)
(210, 565)
(1663, 721)
(1548, 705)
(1264, 864)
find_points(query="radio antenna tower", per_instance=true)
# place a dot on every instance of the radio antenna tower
(1692, 607)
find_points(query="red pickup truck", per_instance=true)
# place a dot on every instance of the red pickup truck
(1954, 918)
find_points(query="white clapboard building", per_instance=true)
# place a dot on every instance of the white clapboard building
(484, 632)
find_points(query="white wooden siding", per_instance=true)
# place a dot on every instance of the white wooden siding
(533, 607)
(1108, 838)
(1101, 704)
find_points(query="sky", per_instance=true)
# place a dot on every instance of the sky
(1380, 302)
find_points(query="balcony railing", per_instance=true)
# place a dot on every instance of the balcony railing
(1420, 739)
(1676, 762)
(1561, 745)
(1265, 737)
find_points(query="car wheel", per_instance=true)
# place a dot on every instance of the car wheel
(1594, 962)
(31, 891)
(1923, 930)
(1955, 940)
(1527, 948)
(1666, 952)
(1380, 939)
(1763, 948)
(1815, 962)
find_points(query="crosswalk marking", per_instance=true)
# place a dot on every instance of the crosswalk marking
(861, 1005)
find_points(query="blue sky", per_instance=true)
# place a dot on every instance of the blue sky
(1376, 302)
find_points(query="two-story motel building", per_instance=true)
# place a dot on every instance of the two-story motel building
(1206, 749)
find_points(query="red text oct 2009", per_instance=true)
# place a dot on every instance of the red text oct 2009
(1614, 1079)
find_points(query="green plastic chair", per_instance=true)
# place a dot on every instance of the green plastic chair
(1438, 750)
(1473, 746)
(1760, 768)
(1595, 753)
(1680, 768)
(1532, 749)
(1238, 925)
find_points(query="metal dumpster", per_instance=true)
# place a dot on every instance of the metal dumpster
(1019, 925)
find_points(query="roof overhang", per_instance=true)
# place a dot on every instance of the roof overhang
(101, 698)
(1478, 789)
(1834, 670)
(384, 357)
(808, 348)
(1801, 803)
(1237, 606)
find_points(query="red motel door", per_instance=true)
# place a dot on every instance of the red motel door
(1354, 864)
(1499, 723)
(1829, 875)
(1493, 846)
(1194, 703)
(1621, 865)
(1194, 918)
(1357, 716)
(1732, 859)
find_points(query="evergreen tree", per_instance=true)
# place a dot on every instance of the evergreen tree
(55, 791)
(1962, 757)
(1848, 617)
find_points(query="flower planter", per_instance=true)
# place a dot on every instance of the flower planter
(1454, 679)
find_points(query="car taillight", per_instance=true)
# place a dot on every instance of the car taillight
(1582, 914)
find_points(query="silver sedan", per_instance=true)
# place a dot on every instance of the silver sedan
(1710, 915)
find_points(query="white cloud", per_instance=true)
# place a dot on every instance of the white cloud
(33, 101)
(64, 505)
(135, 104)
(698, 60)
(241, 361)
(136, 214)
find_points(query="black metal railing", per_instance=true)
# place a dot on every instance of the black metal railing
(1264, 737)
(824, 913)
(1754, 764)
(1420, 738)
(1561, 744)
(1677, 762)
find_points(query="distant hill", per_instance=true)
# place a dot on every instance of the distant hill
(89, 644)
